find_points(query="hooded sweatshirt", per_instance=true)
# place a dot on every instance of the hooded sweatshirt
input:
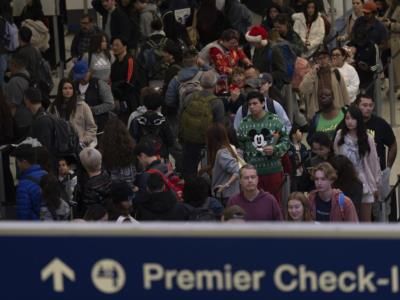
(149, 13)
(263, 207)
(346, 213)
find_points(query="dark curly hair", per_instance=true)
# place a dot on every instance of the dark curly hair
(116, 146)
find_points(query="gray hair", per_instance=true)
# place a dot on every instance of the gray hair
(208, 79)
(91, 159)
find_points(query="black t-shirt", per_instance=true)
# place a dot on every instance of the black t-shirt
(383, 135)
(323, 210)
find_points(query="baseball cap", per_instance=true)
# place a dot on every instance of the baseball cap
(369, 7)
(253, 83)
(266, 77)
(80, 70)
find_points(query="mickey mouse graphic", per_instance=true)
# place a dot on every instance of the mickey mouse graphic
(262, 139)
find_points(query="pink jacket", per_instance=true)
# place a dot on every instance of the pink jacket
(346, 214)
(372, 168)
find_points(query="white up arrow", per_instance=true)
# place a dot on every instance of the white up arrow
(57, 269)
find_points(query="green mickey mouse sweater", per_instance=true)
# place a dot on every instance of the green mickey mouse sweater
(254, 134)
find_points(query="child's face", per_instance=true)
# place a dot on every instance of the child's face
(125, 207)
(297, 136)
(63, 168)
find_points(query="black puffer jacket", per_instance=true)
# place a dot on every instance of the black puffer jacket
(161, 206)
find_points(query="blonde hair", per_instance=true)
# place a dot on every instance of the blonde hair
(328, 170)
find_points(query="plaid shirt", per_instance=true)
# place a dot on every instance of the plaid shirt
(81, 42)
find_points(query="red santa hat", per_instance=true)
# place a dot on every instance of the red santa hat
(257, 34)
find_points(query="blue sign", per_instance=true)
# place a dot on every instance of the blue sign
(260, 261)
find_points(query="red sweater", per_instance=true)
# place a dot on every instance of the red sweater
(225, 60)
(263, 208)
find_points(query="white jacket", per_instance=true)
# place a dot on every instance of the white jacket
(315, 36)
(351, 80)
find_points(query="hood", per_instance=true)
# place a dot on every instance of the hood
(187, 73)
(159, 203)
(139, 111)
(33, 171)
(150, 8)
(313, 194)
(298, 17)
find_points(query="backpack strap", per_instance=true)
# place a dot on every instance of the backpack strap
(341, 201)
(130, 70)
(337, 75)
(269, 59)
(270, 105)
(245, 110)
(167, 184)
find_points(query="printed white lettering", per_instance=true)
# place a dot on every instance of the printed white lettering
(349, 277)
(278, 278)
(151, 272)
(327, 281)
(395, 279)
(210, 280)
(307, 276)
(365, 283)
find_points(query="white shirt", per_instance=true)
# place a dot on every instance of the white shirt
(351, 79)
(126, 219)
(83, 88)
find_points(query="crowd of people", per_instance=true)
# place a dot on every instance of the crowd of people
(197, 110)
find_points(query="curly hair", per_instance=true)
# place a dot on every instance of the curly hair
(117, 146)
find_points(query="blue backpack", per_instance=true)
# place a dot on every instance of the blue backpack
(341, 204)
(289, 57)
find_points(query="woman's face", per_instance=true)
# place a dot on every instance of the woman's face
(351, 123)
(273, 12)
(310, 9)
(296, 210)
(337, 58)
(104, 45)
(357, 5)
(67, 90)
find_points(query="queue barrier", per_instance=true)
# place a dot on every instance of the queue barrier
(214, 261)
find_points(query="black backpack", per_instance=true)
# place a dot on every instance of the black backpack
(147, 125)
(65, 137)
